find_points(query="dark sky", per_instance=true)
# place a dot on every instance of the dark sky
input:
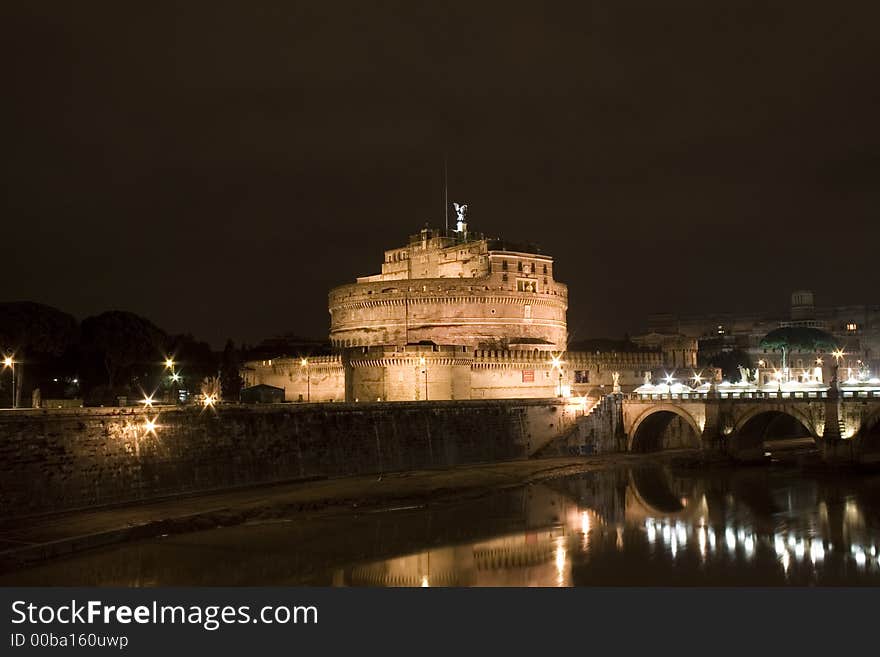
(218, 166)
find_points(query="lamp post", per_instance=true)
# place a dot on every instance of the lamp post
(556, 363)
(175, 396)
(8, 361)
(305, 363)
(424, 364)
(169, 365)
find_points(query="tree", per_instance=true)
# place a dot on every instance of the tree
(728, 362)
(39, 336)
(119, 341)
(194, 360)
(230, 372)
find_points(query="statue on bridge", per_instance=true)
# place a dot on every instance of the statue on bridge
(647, 380)
(744, 377)
(615, 379)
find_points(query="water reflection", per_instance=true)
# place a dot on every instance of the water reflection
(756, 527)
(643, 526)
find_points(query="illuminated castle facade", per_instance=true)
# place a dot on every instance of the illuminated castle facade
(452, 315)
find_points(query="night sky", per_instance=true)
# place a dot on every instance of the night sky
(218, 166)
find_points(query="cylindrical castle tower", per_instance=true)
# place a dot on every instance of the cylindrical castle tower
(452, 292)
(483, 294)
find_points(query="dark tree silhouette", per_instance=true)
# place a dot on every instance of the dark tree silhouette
(230, 376)
(194, 360)
(39, 336)
(121, 341)
(728, 362)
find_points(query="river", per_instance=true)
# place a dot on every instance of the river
(646, 525)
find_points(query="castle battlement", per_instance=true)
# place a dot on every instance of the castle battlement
(454, 315)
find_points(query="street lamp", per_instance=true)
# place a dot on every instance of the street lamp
(424, 364)
(169, 365)
(9, 362)
(304, 362)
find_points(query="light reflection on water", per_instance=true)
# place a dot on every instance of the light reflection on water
(647, 527)
(619, 526)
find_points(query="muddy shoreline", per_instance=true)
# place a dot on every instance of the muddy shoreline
(29, 541)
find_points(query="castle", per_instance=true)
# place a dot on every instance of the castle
(457, 315)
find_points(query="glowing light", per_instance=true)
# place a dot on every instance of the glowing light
(711, 533)
(779, 545)
(838, 354)
(169, 363)
(585, 522)
(209, 400)
(555, 361)
(303, 361)
(698, 377)
(860, 556)
(701, 539)
(730, 539)
(819, 361)
(425, 581)
(147, 401)
(175, 377)
(560, 563)
(7, 361)
(817, 552)
(150, 425)
(749, 545)
(422, 360)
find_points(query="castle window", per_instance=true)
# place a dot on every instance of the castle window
(527, 312)
(852, 326)
(525, 285)
(582, 376)
(504, 265)
(504, 277)
(519, 266)
(545, 270)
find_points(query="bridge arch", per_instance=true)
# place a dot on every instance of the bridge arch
(652, 491)
(868, 433)
(772, 428)
(792, 411)
(653, 421)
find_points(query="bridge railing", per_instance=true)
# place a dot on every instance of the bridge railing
(758, 394)
(861, 394)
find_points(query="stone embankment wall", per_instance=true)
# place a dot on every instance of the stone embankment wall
(66, 458)
(600, 431)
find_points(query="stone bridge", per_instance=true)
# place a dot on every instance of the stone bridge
(844, 425)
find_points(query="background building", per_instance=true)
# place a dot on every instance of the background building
(855, 328)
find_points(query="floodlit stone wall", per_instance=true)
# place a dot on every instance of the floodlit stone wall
(69, 458)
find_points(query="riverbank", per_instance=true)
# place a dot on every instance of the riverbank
(87, 458)
(32, 539)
